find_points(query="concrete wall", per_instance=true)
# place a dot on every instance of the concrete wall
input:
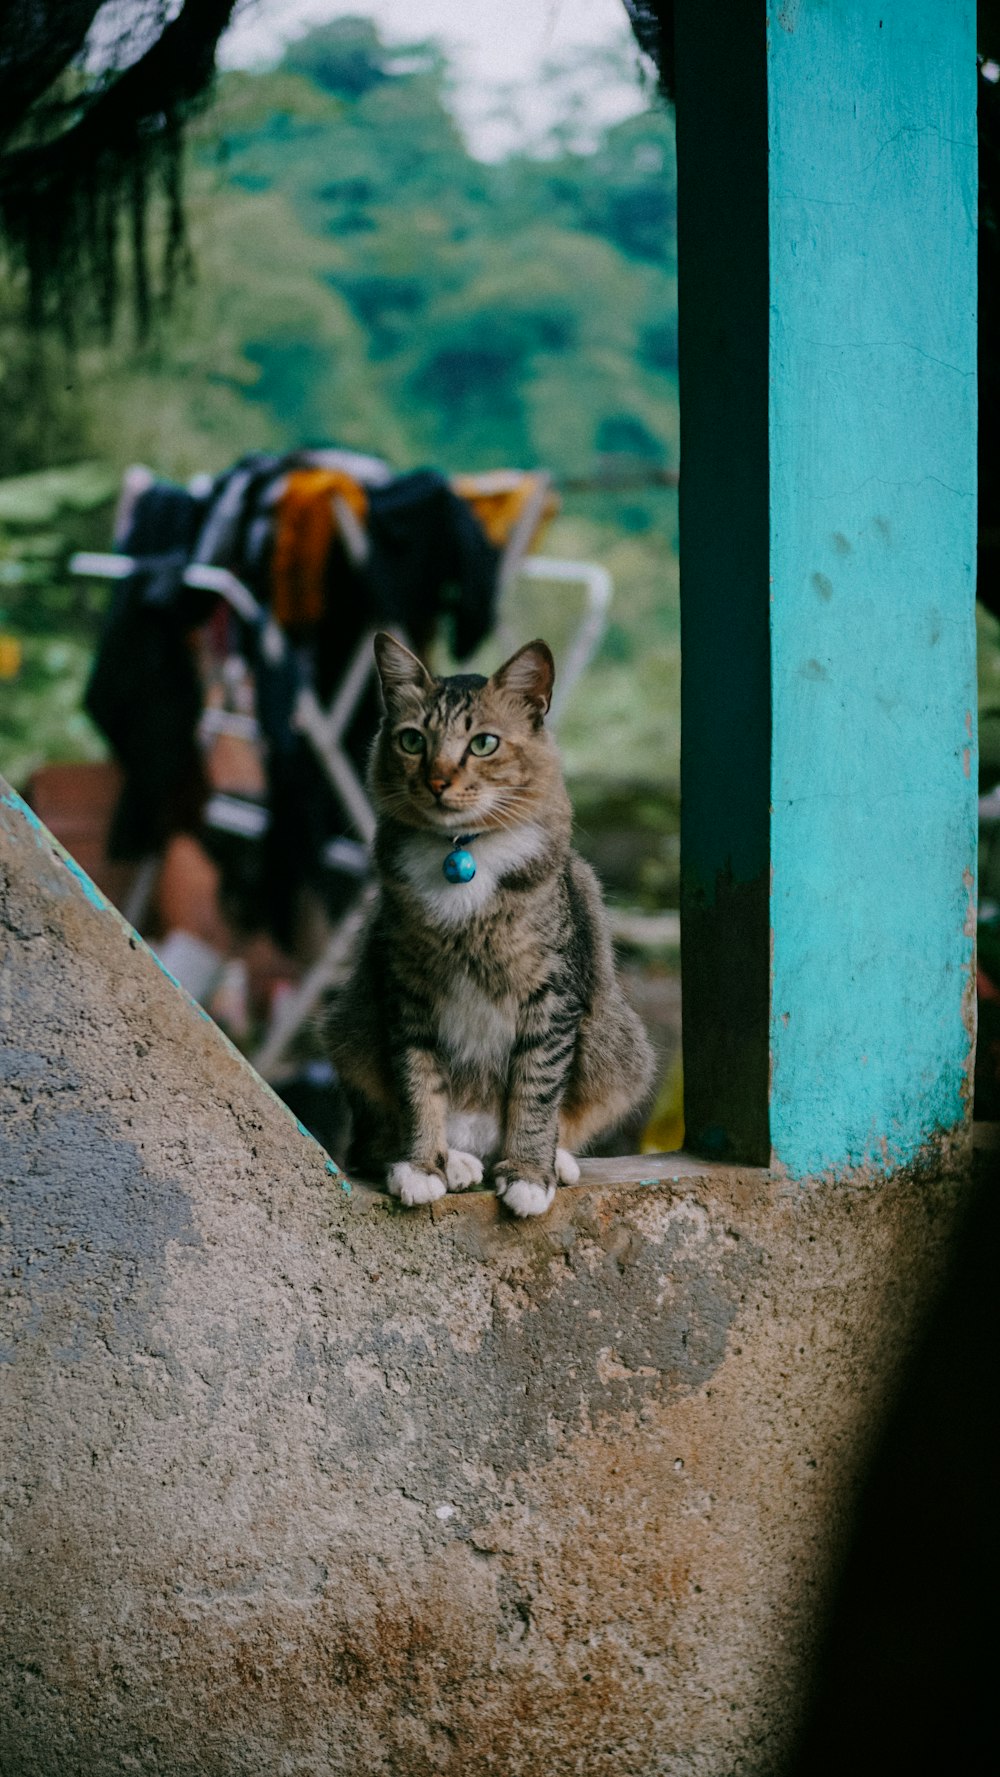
(295, 1481)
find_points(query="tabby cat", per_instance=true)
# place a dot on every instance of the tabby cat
(483, 1023)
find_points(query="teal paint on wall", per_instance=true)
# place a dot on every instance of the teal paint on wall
(872, 205)
(826, 219)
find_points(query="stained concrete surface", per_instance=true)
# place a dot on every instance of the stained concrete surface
(295, 1481)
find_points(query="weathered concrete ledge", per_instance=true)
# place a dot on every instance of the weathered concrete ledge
(296, 1481)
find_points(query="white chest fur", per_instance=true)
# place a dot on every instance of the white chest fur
(474, 1029)
(496, 855)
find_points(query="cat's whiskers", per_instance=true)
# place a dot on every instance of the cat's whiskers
(493, 811)
(394, 802)
(501, 816)
(500, 823)
(502, 810)
(505, 812)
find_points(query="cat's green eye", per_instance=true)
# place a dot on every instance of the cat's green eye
(482, 744)
(411, 740)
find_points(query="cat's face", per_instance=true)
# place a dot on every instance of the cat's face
(464, 754)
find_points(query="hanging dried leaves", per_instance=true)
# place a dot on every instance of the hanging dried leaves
(93, 100)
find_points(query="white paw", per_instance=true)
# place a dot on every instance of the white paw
(525, 1199)
(412, 1186)
(567, 1170)
(463, 1170)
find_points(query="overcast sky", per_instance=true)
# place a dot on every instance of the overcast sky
(495, 48)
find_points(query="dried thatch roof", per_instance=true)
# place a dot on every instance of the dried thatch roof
(92, 100)
(652, 22)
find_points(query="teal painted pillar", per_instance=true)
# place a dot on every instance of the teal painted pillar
(827, 204)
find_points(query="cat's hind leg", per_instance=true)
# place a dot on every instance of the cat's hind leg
(567, 1170)
(472, 1137)
(412, 1186)
(463, 1170)
(612, 1075)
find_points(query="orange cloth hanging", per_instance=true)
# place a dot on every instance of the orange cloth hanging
(304, 534)
(499, 498)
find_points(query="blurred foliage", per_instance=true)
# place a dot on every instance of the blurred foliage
(41, 715)
(43, 415)
(360, 276)
(361, 279)
(44, 498)
(51, 615)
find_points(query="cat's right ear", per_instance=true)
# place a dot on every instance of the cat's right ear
(530, 674)
(398, 669)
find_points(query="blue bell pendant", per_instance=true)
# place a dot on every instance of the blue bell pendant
(460, 865)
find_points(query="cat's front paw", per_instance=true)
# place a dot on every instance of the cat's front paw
(412, 1186)
(463, 1170)
(523, 1198)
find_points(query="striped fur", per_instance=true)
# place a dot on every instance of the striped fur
(490, 1009)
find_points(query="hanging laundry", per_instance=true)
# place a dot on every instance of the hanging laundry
(430, 558)
(231, 503)
(307, 524)
(143, 691)
(246, 544)
(500, 497)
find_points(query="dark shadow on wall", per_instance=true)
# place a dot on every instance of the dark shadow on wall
(906, 1681)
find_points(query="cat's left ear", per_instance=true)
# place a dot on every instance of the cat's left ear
(398, 669)
(530, 673)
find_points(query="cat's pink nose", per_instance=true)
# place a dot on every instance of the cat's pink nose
(438, 783)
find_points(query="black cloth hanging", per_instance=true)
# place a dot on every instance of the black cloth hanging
(430, 558)
(143, 691)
